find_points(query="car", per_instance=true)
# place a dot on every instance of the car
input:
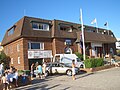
(59, 68)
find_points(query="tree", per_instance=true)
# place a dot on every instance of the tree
(5, 59)
(80, 55)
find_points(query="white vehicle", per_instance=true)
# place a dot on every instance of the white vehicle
(59, 68)
(67, 59)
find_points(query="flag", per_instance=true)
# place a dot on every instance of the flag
(94, 21)
(106, 24)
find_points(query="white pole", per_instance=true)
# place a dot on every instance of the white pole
(82, 33)
(96, 25)
(107, 27)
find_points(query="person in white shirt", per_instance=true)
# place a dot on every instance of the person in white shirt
(15, 76)
(1, 69)
(44, 69)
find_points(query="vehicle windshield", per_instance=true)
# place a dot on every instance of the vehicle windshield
(67, 64)
(78, 60)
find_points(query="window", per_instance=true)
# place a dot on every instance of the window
(11, 49)
(36, 45)
(11, 60)
(89, 30)
(40, 26)
(65, 28)
(18, 47)
(11, 31)
(18, 60)
(68, 42)
(6, 50)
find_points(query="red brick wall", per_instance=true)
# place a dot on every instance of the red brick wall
(47, 46)
(11, 50)
(60, 46)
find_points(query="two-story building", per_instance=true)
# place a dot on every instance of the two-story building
(32, 40)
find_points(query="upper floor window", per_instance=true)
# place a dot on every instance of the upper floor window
(89, 30)
(11, 31)
(11, 49)
(67, 28)
(40, 26)
(18, 47)
(18, 60)
(11, 60)
(36, 45)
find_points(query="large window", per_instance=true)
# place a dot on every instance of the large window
(40, 26)
(36, 45)
(67, 28)
(89, 30)
(11, 31)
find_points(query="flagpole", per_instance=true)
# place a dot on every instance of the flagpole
(96, 25)
(107, 28)
(106, 24)
(82, 34)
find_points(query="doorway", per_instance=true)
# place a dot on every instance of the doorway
(39, 61)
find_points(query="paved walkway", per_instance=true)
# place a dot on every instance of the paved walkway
(102, 80)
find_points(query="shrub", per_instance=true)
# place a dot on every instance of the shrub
(80, 55)
(88, 63)
(20, 72)
(27, 72)
(93, 62)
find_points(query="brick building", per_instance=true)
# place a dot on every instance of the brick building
(33, 40)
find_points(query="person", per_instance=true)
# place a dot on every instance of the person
(4, 82)
(39, 68)
(1, 69)
(12, 69)
(32, 70)
(44, 69)
(73, 69)
(113, 62)
(15, 76)
(24, 78)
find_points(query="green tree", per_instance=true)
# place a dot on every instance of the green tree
(80, 55)
(4, 59)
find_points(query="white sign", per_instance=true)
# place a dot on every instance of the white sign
(39, 54)
(96, 44)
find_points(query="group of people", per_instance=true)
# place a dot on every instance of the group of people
(112, 59)
(40, 70)
(8, 77)
(114, 62)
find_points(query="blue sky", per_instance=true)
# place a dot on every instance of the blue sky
(103, 10)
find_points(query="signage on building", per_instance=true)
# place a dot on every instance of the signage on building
(96, 44)
(39, 54)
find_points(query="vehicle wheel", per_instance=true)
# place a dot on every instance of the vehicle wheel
(81, 66)
(69, 72)
(47, 73)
